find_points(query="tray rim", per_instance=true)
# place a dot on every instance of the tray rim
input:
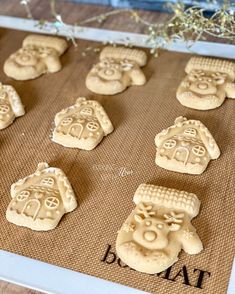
(118, 37)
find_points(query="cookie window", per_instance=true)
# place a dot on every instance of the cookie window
(52, 202)
(199, 150)
(4, 109)
(190, 132)
(170, 144)
(87, 111)
(23, 195)
(92, 126)
(48, 182)
(66, 121)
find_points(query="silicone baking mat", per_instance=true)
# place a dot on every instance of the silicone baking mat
(106, 178)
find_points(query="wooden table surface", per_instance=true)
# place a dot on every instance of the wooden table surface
(72, 13)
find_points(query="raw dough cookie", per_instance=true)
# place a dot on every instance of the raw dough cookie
(82, 125)
(158, 228)
(40, 200)
(207, 84)
(118, 69)
(10, 106)
(186, 147)
(38, 55)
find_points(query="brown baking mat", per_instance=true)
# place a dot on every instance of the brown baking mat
(106, 178)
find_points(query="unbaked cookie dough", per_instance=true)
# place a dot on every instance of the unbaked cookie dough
(82, 125)
(158, 228)
(38, 55)
(208, 82)
(119, 68)
(10, 106)
(40, 200)
(185, 147)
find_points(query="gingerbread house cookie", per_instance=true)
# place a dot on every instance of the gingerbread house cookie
(40, 200)
(119, 68)
(38, 55)
(158, 228)
(82, 125)
(10, 105)
(208, 82)
(185, 147)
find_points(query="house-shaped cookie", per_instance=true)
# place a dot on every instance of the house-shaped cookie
(10, 106)
(185, 147)
(40, 200)
(39, 54)
(82, 125)
(208, 82)
(158, 228)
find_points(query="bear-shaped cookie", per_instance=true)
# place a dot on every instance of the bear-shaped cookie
(82, 125)
(10, 105)
(118, 68)
(38, 55)
(208, 82)
(40, 200)
(185, 147)
(158, 228)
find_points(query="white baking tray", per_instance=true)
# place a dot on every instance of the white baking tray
(48, 278)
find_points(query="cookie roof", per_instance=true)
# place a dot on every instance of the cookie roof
(168, 197)
(204, 133)
(98, 109)
(136, 55)
(211, 64)
(64, 186)
(14, 100)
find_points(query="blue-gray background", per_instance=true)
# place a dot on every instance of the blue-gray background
(153, 4)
